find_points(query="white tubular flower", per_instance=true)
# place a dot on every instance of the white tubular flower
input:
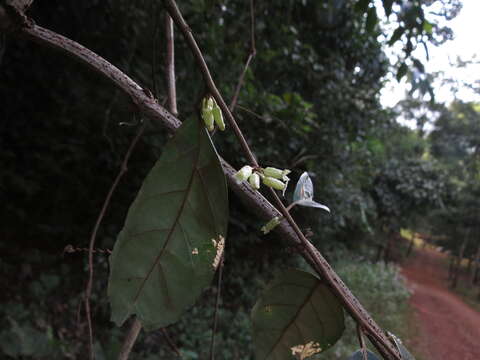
(274, 183)
(208, 119)
(276, 173)
(206, 112)
(254, 180)
(218, 117)
(210, 102)
(243, 174)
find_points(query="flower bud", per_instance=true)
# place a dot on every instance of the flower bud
(208, 119)
(243, 174)
(218, 116)
(270, 225)
(273, 183)
(276, 173)
(254, 180)
(209, 103)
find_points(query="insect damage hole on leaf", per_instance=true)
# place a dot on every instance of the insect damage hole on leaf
(297, 312)
(303, 351)
(219, 247)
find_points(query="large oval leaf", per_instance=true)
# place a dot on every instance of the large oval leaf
(296, 315)
(173, 235)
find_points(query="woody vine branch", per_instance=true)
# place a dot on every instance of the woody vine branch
(151, 109)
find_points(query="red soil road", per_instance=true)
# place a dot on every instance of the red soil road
(448, 328)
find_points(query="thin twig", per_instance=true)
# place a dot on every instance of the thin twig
(361, 340)
(69, 249)
(170, 66)
(258, 116)
(217, 305)
(171, 343)
(88, 290)
(319, 263)
(250, 57)
(154, 47)
(187, 33)
(130, 339)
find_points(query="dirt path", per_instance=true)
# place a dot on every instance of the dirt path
(448, 328)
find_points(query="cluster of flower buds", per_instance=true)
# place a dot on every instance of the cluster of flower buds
(275, 178)
(212, 114)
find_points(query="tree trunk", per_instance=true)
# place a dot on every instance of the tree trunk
(476, 278)
(410, 246)
(469, 265)
(379, 253)
(474, 270)
(450, 266)
(387, 255)
(424, 240)
(459, 262)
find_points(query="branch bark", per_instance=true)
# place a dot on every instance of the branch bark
(254, 200)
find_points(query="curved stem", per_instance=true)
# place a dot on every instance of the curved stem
(187, 33)
(106, 203)
(217, 304)
(130, 340)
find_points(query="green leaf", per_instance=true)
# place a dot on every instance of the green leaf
(371, 19)
(427, 27)
(362, 5)
(296, 313)
(358, 355)
(408, 47)
(24, 340)
(167, 251)
(387, 5)
(418, 64)
(397, 34)
(402, 71)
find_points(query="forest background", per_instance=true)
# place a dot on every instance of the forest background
(310, 102)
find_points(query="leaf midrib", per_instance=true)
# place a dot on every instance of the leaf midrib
(286, 327)
(176, 221)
